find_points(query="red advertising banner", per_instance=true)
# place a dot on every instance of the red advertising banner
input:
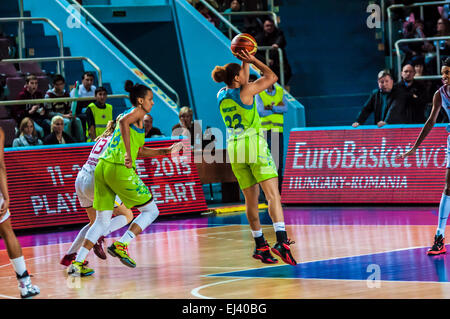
(337, 165)
(42, 192)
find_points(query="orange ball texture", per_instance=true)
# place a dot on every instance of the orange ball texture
(244, 41)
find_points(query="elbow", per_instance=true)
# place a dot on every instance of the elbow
(274, 78)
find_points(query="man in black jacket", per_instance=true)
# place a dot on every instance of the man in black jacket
(417, 97)
(273, 37)
(388, 103)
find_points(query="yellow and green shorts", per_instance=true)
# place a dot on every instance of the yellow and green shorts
(116, 179)
(251, 160)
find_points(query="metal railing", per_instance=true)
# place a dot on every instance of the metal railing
(21, 37)
(402, 6)
(245, 13)
(122, 46)
(64, 58)
(438, 55)
(263, 48)
(59, 99)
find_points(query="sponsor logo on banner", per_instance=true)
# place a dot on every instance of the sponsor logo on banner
(361, 166)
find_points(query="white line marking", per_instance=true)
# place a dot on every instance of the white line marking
(195, 291)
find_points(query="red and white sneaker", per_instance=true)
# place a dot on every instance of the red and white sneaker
(67, 260)
(98, 248)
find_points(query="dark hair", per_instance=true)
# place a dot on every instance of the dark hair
(58, 77)
(136, 91)
(447, 62)
(226, 73)
(87, 73)
(100, 89)
(30, 78)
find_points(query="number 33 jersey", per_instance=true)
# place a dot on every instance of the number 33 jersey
(239, 118)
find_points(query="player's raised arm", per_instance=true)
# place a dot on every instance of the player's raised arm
(437, 103)
(268, 79)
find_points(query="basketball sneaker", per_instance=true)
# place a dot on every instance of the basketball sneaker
(263, 253)
(438, 246)
(283, 250)
(120, 250)
(67, 260)
(27, 290)
(98, 248)
(78, 269)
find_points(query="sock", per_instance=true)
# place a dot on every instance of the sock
(127, 237)
(19, 265)
(82, 254)
(280, 226)
(78, 240)
(116, 223)
(444, 210)
(257, 233)
(281, 236)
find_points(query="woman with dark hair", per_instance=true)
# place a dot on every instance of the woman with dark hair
(28, 135)
(115, 175)
(84, 187)
(441, 99)
(251, 161)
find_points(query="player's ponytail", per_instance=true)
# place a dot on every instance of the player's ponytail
(136, 91)
(110, 127)
(226, 73)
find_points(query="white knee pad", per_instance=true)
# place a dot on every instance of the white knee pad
(100, 226)
(148, 214)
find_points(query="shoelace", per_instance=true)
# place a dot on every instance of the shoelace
(123, 248)
(289, 242)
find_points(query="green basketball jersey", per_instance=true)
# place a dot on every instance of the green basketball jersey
(240, 119)
(115, 153)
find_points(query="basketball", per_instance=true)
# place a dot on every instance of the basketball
(244, 41)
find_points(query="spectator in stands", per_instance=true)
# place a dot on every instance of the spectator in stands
(274, 37)
(37, 111)
(150, 130)
(414, 50)
(57, 136)
(417, 97)
(85, 89)
(28, 135)
(238, 21)
(272, 105)
(98, 114)
(443, 30)
(386, 103)
(187, 127)
(72, 124)
(206, 13)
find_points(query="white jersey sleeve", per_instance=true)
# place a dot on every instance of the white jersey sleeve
(95, 154)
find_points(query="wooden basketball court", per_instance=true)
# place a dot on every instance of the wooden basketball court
(342, 253)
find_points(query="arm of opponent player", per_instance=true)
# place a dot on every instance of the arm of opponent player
(437, 103)
(151, 152)
(3, 178)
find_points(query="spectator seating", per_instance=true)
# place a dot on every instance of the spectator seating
(15, 85)
(8, 125)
